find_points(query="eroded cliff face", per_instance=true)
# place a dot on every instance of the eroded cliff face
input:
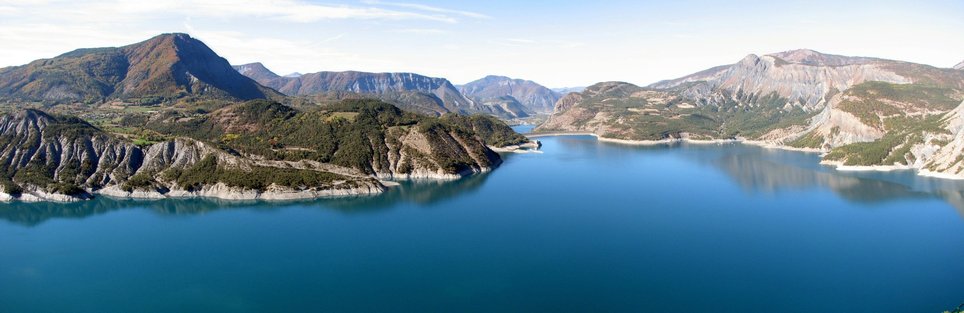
(942, 153)
(433, 154)
(805, 78)
(44, 157)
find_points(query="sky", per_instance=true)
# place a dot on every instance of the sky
(555, 43)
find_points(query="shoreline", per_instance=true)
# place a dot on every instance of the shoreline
(836, 165)
(530, 147)
(558, 134)
(220, 191)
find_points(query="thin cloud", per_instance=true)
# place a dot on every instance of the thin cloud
(297, 11)
(421, 31)
(5, 10)
(520, 40)
(428, 8)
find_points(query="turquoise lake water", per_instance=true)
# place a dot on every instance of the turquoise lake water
(582, 227)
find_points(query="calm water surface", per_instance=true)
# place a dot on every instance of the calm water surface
(583, 227)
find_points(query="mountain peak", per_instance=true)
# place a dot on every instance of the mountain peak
(496, 77)
(959, 66)
(750, 59)
(162, 68)
(256, 71)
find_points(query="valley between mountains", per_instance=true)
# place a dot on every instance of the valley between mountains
(168, 117)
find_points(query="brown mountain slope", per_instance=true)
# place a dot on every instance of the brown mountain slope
(163, 68)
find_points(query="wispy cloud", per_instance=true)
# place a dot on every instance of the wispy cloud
(297, 11)
(521, 41)
(421, 31)
(533, 42)
(283, 54)
(5, 10)
(428, 8)
(45, 28)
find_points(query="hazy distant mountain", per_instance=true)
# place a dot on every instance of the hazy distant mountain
(407, 90)
(565, 90)
(166, 67)
(534, 97)
(508, 104)
(863, 111)
(959, 66)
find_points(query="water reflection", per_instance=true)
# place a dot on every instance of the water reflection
(419, 193)
(768, 171)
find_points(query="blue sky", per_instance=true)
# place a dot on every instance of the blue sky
(556, 43)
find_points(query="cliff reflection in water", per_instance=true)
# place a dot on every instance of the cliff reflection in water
(755, 172)
(420, 193)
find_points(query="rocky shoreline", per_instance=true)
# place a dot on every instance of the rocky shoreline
(839, 166)
(225, 192)
(216, 191)
(530, 147)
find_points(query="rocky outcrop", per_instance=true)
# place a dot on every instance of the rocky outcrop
(534, 97)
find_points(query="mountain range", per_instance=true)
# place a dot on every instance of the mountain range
(859, 111)
(414, 92)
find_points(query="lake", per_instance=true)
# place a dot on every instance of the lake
(584, 226)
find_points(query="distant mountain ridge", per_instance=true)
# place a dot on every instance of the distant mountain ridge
(803, 76)
(534, 97)
(408, 90)
(166, 67)
(566, 90)
(959, 66)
